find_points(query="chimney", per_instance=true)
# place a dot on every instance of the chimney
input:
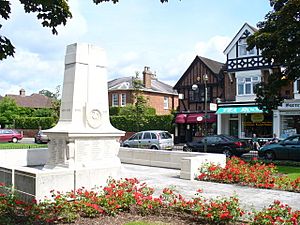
(22, 92)
(147, 77)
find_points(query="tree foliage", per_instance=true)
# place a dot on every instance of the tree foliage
(56, 102)
(51, 13)
(9, 111)
(278, 38)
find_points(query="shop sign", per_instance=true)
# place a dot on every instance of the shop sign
(289, 132)
(291, 105)
(291, 113)
(235, 110)
(213, 106)
(199, 118)
(257, 117)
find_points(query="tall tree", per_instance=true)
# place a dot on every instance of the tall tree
(56, 102)
(140, 102)
(278, 38)
(9, 111)
(52, 14)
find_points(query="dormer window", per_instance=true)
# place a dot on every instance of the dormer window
(242, 45)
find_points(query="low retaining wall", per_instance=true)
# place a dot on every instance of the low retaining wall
(187, 162)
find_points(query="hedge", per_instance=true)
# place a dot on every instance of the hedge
(156, 122)
(125, 123)
(34, 122)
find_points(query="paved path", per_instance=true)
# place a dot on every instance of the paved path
(250, 198)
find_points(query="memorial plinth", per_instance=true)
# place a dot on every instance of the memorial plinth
(83, 147)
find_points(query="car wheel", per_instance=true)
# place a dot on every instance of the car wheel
(270, 155)
(14, 140)
(187, 149)
(154, 147)
(126, 146)
(227, 152)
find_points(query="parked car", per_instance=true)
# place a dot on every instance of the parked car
(40, 137)
(151, 139)
(10, 135)
(287, 149)
(219, 144)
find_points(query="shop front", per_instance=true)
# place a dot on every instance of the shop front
(244, 121)
(287, 119)
(191, 126)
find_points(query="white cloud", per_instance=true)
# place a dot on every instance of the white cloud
(213, 48)
(27, 70)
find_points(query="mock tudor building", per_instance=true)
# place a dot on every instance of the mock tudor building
(160, 96)
(199, 86)
(238, 114)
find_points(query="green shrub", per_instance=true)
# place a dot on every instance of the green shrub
(129, 123)
(34, 122)
(114, 111)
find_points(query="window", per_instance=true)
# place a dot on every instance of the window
(242, 45)
(166, 103)
(123, 99)
(298, 86)
(147, 135)
(199, 94)
(246, 85)
(153, 136)
(115, 100)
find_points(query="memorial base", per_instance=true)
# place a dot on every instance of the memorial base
(37, 183)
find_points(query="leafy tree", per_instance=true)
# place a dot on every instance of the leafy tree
(56, 102)
(278, 38)
(140, 102)
(43, 113)
(9, 111)
(52, 14)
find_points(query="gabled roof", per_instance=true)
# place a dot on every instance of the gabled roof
(214, 66)
(125, 83)
(246, 26)
(37, 101)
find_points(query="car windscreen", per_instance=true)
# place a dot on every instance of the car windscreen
(230, 138)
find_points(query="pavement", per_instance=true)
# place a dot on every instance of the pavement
(250, 198)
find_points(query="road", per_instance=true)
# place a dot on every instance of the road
(27, 141)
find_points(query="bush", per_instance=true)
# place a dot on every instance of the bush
(114, 111)
(129, 123)
(34, 122)
(254, 174)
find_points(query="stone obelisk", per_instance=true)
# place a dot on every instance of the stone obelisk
(84, 139)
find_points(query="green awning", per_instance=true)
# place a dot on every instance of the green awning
(239, 110)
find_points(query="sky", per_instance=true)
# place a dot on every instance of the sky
(134, 33)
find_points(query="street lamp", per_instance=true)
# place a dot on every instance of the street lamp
(205, 78)
(194, 88)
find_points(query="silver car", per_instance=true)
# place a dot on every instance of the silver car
(151, 139)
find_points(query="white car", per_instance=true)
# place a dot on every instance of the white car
(151, 139)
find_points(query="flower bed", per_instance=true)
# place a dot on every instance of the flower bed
(127, 196)
(254, 174)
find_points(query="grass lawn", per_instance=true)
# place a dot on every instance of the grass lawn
(21, 146)
(291, 171)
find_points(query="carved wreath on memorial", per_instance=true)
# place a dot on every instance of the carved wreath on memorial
(94, 118)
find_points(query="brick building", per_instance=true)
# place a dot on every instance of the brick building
(159, 95)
